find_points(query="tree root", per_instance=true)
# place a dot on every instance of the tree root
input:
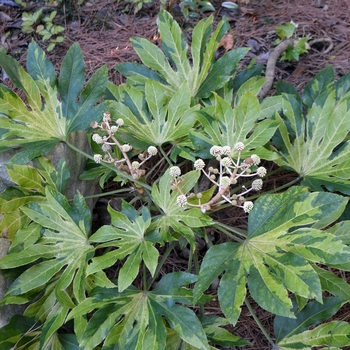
(271, 62)
(323, 40)
(271, 65)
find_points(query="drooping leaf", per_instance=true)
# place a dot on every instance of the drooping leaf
(314, 144)
(53, 108)
(128, 234)
(284, 236)
(134, 318)
(332, 334)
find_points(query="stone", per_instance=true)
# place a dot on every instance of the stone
(7, 311)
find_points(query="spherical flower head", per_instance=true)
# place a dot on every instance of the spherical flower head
(256, 159)
(226, 150)
(114, 128)
(199, 164)
(226, 161)
(257, 184)
(181, 200)
(106, 147)
(126, 148)
(261, 171)
(175, 171)
(97, 138)
(225, 181)
(135, 165)
(120, 122)
(152, 151)
(216, 151)
(98, 158)
(248, 206)
(239, 146)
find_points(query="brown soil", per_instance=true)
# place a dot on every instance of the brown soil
(103, 29)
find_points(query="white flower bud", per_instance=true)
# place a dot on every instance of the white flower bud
(98, 158)
(175, 171)
(261, 171)
(114, 129)
(120, 122)
(135, 165)
(256, 159)
(106, 147)
(152, 151)
(257, 184)
(97, 138)
(226, 161)
(225, 181)
(226, 150)
(239, 146)
(126, 148)
(248, 206)
(199, 164)
(181, 200)
(216, 151)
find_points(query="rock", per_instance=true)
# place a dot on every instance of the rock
(7, 311)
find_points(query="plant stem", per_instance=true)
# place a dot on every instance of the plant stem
(262, 328)
(161, 263)
(196, 269)
(165, 156)
(110, 166)
(225, 229)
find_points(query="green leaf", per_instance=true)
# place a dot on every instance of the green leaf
(285, 31)
(134, 318)
(317, 148)
(335, 333)
(163, 120)
(69, 247)
(174, 44)
(312, 314)
(220, 336)
(127, 233)
(283, 238)
(225, 126)
(173, 217)
(53, 109)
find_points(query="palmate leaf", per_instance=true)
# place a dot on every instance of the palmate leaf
(63, 243)
(171, 66)
(128, 234)
(314, 145)
(56, 107)
(284, 236)
(175, 220)
(225, 126)
(153, 117)
(134, 318)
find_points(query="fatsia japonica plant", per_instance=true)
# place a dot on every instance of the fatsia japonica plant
(184, 138)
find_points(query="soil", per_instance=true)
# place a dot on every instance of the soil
(103, 28)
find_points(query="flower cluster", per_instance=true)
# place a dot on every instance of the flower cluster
(227, 173)
(109, 143)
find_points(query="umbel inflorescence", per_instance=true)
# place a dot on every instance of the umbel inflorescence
(223, 177)
(109, 144)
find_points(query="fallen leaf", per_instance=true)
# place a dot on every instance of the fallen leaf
(227, 42)
(4, 17)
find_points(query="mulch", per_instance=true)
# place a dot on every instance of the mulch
(103, 28)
